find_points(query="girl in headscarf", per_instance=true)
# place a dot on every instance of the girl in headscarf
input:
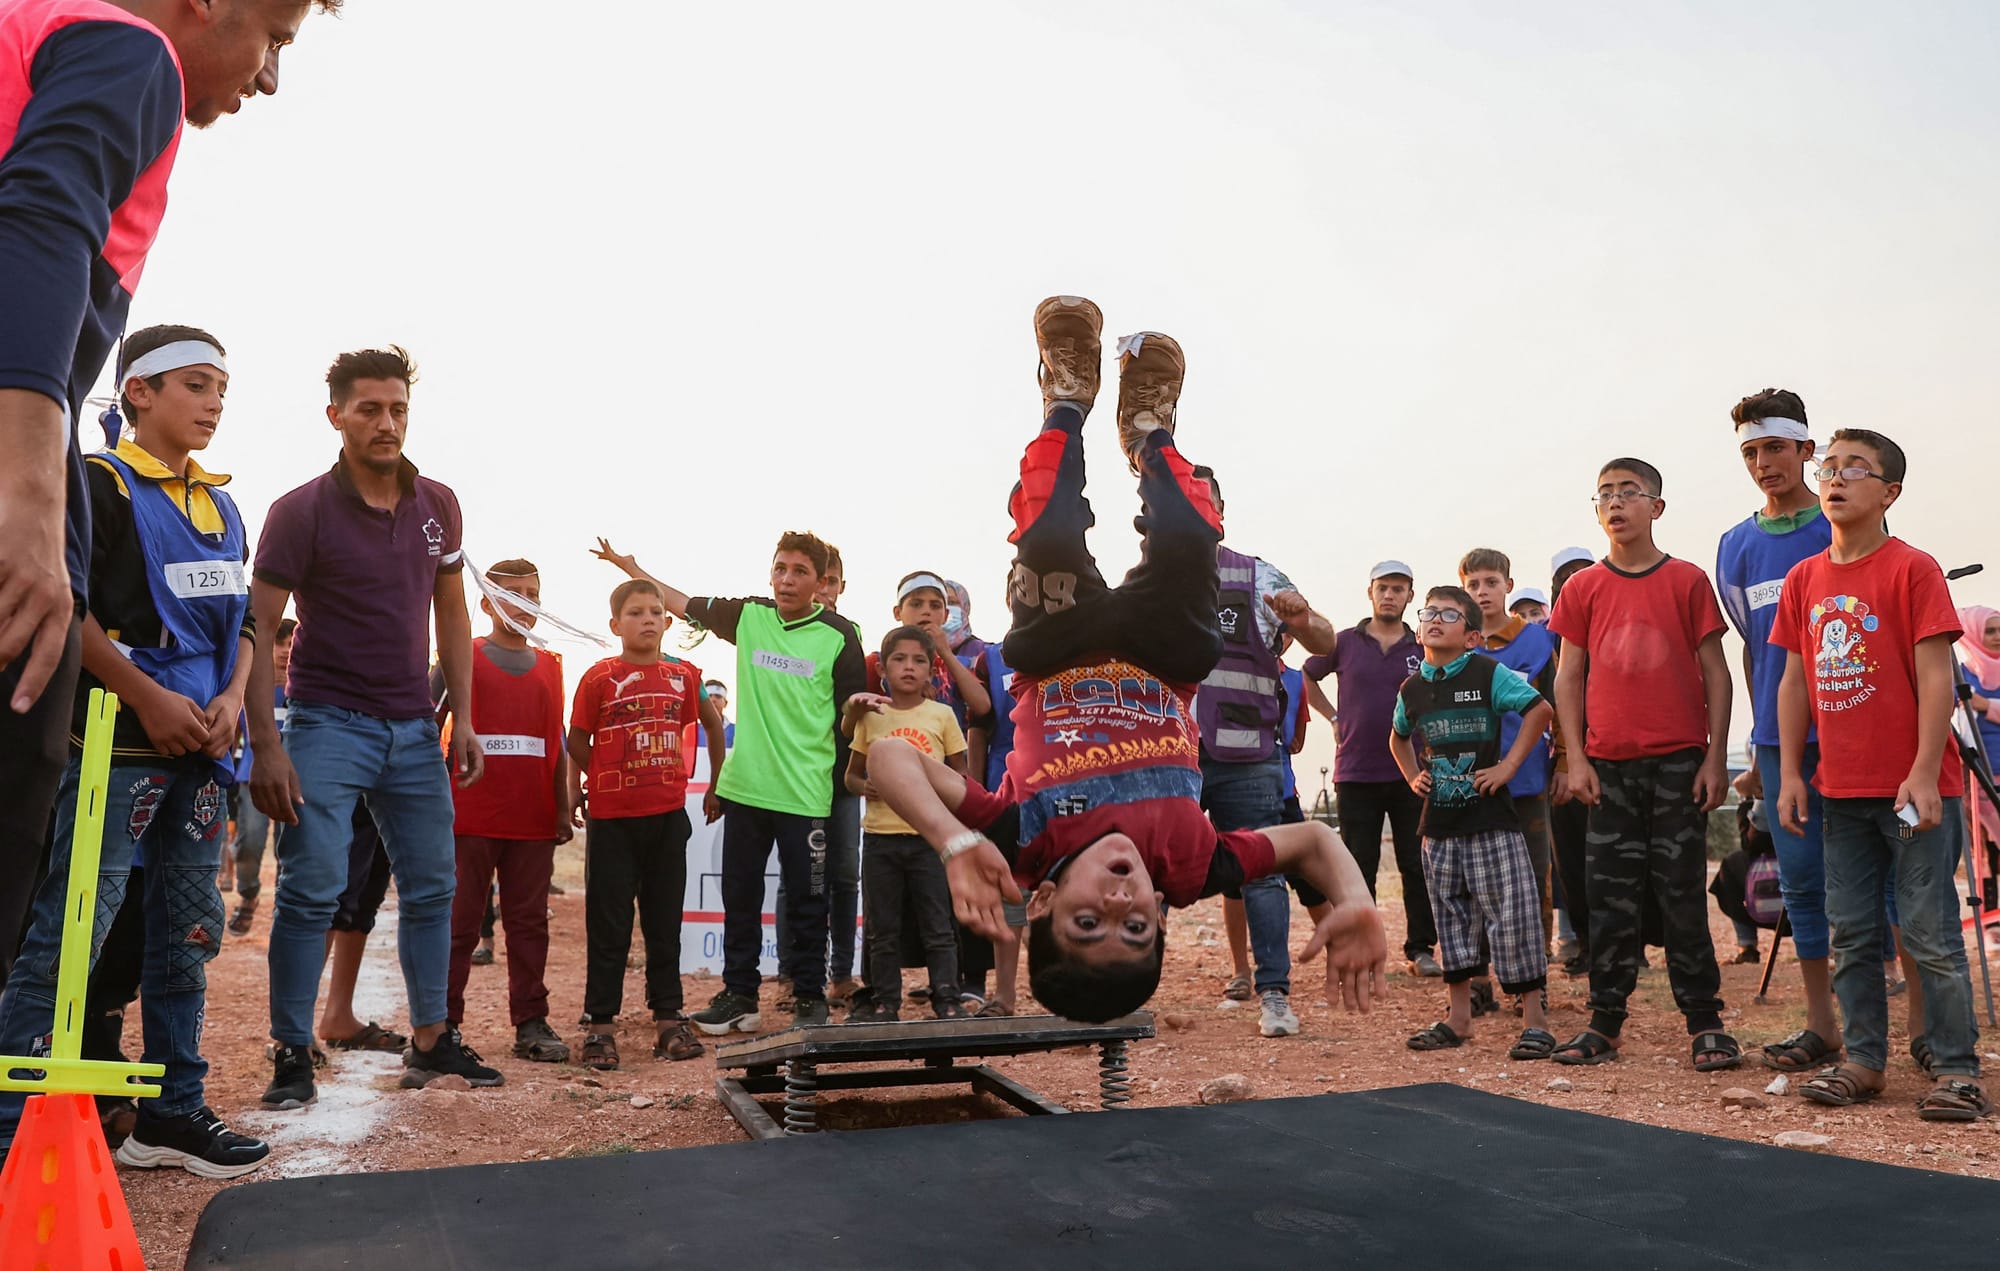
(1979, 653)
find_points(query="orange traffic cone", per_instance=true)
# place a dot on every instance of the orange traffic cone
(61, 1208)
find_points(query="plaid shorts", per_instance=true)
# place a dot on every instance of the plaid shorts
(1482, 884)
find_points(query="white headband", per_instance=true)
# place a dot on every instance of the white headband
(917, 582)
(172, 357)
(1755, 429)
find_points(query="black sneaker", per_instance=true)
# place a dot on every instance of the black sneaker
(871, 1012)
(536, 1042)
(808, 1012)
(945, 1003)
(448, 1056)
(198, 1142)
(725, 1012)
(292, 1078)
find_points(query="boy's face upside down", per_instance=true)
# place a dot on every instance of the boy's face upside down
(1103, 907)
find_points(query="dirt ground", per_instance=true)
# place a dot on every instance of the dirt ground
(364, 1122)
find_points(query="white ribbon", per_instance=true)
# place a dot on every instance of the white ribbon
(1789, 429)
(172, 357)
(502, 600)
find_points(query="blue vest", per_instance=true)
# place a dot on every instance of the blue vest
(999, 679)
(1529, 653)
(1239, 703)
(198, 586)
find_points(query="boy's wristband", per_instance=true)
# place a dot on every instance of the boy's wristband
(960, 844)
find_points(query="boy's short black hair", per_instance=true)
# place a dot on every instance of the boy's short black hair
(146, 340)
(906, 632)
(1648, 475)
(631, 586)
(1887, 452)
(1463, 599)
(286, 628)
(808, 544)
(1202, 472)
(392, 363)
(1772, 403)
(1088, 992)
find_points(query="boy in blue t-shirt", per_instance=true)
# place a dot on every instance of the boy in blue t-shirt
(1750, 568)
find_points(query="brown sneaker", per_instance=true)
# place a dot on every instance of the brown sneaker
(1150, 370)
(1067, 329)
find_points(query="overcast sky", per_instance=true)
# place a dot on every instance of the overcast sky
(688, 276)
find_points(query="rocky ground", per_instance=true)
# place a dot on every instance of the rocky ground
(364, 1122)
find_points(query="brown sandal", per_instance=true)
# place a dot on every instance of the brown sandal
(600, 1051)
(1837, 1087)
(1954, 1101)
(676, 1042)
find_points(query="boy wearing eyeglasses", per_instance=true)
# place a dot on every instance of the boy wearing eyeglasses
(1476, 866)
(1642, 681)
(1867, 628)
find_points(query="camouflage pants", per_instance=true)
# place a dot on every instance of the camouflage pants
(1648, 846)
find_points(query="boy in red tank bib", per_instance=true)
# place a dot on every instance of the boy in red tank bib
(510, 823)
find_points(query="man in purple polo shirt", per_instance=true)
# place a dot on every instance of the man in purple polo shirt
(1372, 659)
(370, 550)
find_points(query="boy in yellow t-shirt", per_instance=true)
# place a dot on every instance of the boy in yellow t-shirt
(899, 869)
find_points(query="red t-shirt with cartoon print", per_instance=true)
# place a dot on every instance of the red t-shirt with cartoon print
(637, 718)
(1856, 627)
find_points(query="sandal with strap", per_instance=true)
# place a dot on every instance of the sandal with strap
(1534, 1043)
(676, 1042)
(1837, 1087)
(1438, 1036)
(1920, 1050)
(1727, 1054)
(371, 1037)
(1954, 1101)
(1238, 990)
(1587, 1047)
(600, 1051)
(1802, 1050)
(995, 1009)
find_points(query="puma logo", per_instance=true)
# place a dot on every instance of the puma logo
(619, 686)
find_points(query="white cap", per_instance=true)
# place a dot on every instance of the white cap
(1527, 593)
(1390, 569)
(1569, 554)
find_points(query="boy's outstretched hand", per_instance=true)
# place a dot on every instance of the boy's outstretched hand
(980, 881)
(1356, 953)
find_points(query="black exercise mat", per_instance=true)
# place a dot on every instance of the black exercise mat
(1422, 1176)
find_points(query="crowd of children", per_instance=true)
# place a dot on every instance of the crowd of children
(1545, 763)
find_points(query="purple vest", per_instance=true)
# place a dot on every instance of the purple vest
(1239, 705)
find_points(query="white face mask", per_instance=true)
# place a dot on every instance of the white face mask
(954, 620)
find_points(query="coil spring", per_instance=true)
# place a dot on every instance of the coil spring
(801, 1088)
(1114, 1080)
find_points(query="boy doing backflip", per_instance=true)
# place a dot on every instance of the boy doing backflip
(1105, 774)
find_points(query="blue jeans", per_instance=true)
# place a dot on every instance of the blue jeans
(1802, 862)
(174, 813)
(341, 755)
(1250, 796)
(1864, 848)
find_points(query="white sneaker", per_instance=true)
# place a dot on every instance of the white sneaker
(1277, 1019)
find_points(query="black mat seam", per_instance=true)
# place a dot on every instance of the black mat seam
(1536, 1201)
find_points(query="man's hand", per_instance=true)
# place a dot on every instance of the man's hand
(1711, 782)
(1583, 783)
(1559, 792)
(1356, 953)
(35, 602)
(1921, 793)
(274, 784)
(605, 552)
(468, 757)
(1494, 779)
(980, 880)
(222, 715)
(711, 806)
(174, 724)
(1791, 807)
(1749, 784)
(1291, 608)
